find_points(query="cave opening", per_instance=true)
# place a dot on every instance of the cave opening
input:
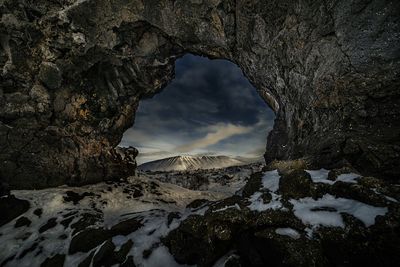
(208, 109)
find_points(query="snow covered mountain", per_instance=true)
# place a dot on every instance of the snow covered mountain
(182, 163)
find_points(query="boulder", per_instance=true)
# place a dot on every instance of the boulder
(54, 261)
(22, 221)
(12, 207)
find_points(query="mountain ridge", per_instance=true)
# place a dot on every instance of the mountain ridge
(183, 163)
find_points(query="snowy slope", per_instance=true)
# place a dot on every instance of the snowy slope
(182, 163)
(28, 246)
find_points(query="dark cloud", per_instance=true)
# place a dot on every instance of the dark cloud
(209, 107)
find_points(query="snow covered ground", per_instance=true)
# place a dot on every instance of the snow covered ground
(30, 246)
(159, 203)
(325, 211)
(227, 180)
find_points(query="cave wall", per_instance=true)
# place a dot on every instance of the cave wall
(73, 72)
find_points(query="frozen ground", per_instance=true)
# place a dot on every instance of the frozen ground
(146, 197)
(59, 215)
(226, 180)
(112, 203)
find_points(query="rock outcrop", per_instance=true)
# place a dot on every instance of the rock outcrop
(277, 231)
(73, 72)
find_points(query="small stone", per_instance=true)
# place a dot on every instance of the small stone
(78, 38)
(126, 227)
(38, 212)
(51, 223)
(50, 75)
(40, 94)
(66, 222)
(23, 221)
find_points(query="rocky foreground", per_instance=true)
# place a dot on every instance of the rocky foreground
(284, 215)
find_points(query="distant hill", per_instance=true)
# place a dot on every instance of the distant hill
(182, 163)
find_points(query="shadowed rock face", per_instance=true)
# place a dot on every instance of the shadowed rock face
(73, 72)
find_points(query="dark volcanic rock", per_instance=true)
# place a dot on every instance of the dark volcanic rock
(104, 256)
(86, 220)
(295, 184)
(190, 245)
(126, 227)
(22, 221)
(70, 86)
(11, 207)
(120, 255)
(254, 238)
(128, 263)
(55, 261)
(86, 262)
(38, 212)
(88, 239)
(50, 75)
(253, 185)
(197, 203)
(66, 222)
(52, 222)
(4, 188)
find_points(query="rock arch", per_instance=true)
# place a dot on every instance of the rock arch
(74, 72)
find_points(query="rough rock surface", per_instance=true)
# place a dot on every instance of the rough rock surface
(11, 208)
(73, 72)
(278, 237)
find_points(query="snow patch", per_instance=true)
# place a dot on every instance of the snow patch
(385, 196)
(257, 203)
(326, 211)
(160, 257)
(321, 176)
(224, 259)
(270, 180)
(290, 232)
(348, 178)
(236, 206)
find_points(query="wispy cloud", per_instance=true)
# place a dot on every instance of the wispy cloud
(256, 152)
(217, 133)
(209, 108)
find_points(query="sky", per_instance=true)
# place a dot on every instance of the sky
(210, 108)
